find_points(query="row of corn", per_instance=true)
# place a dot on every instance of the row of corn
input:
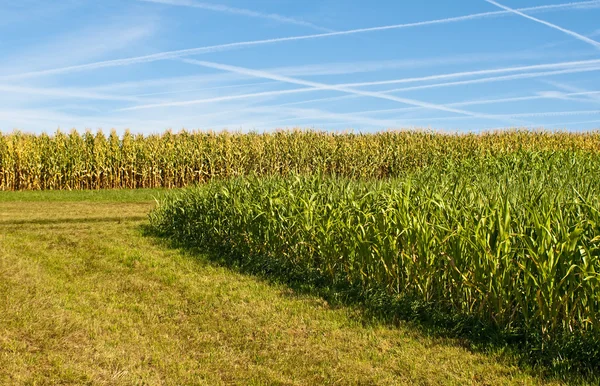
(96, 161)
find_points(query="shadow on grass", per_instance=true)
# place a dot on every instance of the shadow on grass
(376, 308)
(46, 221)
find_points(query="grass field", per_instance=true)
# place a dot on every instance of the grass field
(86, 298)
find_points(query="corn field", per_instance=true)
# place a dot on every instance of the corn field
(97, 161)
(512, 240)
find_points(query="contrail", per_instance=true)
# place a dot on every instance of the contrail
(223, 47)
(238, 11)
(519, 115)
(240, 85)
(319, 86)
(220, 99)
(455, 104)
(479, 72)
(457, 83)
(568, 32)
(526, 75)
(312, 89)
(229, 98)
(515, 99)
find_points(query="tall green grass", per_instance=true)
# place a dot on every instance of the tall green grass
(510, 241)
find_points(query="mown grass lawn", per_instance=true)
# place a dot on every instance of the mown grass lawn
(86, 298)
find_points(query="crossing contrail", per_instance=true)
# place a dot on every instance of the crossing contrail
(229, 46)
(554, 26)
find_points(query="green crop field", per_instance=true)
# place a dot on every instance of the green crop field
(300, 258)
(511, 243)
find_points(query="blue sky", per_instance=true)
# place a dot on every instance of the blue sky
(151, 65)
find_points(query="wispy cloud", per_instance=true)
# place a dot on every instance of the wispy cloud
(44, 120)
(215, 80)
(184, 84)
(28, 11)
(48, 119)
(562, 96)
(539, 95)
(554, 113)
(554, 26)
(591, 95)
(239, 11)
(79, 45)
(218, 99)
(510, 116)
(326, 115)
(579, 67)
(66, 93)
(323, 86)
(474, 102)
(239, 85)
(526, 75)
(573, 123)
(481, 72)
(162, 83)
(345, 68)
(223, 47)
